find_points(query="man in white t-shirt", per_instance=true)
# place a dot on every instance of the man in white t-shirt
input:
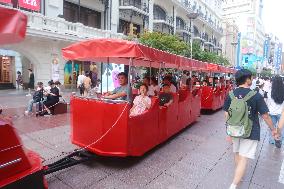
(80, 82)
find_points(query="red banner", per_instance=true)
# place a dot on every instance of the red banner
(30, 4)
(6, 1)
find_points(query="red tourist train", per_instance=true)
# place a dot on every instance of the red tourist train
(117, 134)
(104, 127)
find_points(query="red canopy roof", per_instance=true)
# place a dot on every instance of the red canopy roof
(13, 24)
(120, 51)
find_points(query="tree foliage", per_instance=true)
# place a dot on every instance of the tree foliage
(164, 42)
(173, 44)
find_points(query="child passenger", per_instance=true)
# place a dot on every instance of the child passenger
(166, 98)
(141, 102)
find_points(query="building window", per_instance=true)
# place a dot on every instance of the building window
(196, 31)
(124, 27)
(88, 17)
(159, 13)
(180, 23)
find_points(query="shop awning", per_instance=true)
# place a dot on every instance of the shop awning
(13, 24)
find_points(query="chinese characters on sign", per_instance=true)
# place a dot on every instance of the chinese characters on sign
(30, 4)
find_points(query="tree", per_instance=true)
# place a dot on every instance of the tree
(165, 42)
(173, 44)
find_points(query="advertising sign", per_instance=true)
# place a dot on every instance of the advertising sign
(30, 4)
(6, 1)
(265, 49)
(278, 56)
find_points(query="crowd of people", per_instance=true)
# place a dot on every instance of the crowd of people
(264, 99)
(150, 87)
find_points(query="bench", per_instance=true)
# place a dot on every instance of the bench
(60, 108)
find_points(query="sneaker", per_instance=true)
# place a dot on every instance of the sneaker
(278, 143)
(28, 95)
(26, 113)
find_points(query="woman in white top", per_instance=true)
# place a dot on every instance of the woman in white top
(275, 102)
(141, 102)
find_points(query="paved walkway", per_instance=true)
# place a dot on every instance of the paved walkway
(199, 157)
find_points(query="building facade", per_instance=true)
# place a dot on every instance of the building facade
(247, 14)
(54, 24)
(230, 41)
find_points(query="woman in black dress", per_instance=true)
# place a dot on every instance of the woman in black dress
(52, 98)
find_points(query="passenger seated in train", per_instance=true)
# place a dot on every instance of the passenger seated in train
(166, 98)
(184, 78)
(210, 81)
(120, 93)
(154, 85)
(150, 91)
(141, 102)
(204, 83)
(168, 81)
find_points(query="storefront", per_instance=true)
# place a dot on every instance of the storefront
(107, 73)
(6, 69)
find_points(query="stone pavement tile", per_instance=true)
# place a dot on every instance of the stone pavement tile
(55, 183)
(267, 177)
(137, 174)
(200, 159)
(165, 181)
(47, 153)
(255, 186)
(111, 182)
(219, 177)
(81, 176)
(187, 172)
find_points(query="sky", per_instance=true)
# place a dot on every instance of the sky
(273, 17)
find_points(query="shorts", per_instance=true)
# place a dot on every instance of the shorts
(245, 147)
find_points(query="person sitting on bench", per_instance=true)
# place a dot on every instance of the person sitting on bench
(51, 100)
(37, 98)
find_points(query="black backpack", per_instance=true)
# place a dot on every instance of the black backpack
(38, 96)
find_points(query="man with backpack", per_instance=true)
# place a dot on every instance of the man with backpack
(242, 107)
(37, 98)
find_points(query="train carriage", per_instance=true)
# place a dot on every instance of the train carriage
(118, 134)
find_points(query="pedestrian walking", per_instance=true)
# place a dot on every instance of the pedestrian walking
(275, 103)
(19, 79)
(80, 84)
(242, 107)
(31, 83)
(87, 84)
(253, 84)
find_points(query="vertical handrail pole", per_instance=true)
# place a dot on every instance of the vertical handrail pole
(72, 76)
(128, 84)
(159, 77)
(107, 71)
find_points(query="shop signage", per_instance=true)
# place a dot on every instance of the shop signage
(30, 4)
(5, 1)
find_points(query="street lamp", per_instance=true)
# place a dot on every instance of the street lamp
(191, 17)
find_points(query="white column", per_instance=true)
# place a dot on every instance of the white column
(175, 19)
(114, 15)
(151, 15)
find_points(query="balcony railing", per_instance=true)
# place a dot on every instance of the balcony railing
(56, 27)
(169, 20)
(138, 4)
(183, 28)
